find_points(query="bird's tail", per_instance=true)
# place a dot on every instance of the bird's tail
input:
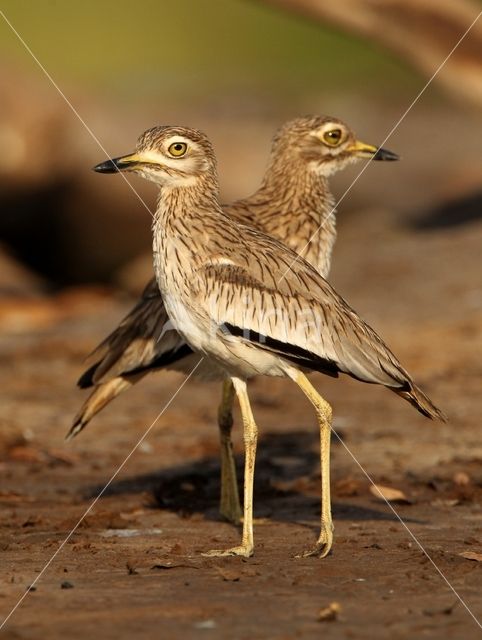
(420, 401)
(98, 399)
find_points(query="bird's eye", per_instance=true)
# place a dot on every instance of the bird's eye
(332, 137)
(177, 149)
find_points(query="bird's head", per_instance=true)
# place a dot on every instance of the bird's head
(169, 156)
(326, 144)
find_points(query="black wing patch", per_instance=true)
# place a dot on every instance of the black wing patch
(169, 357)
(164, 360)
(290, 352)
(86, 380)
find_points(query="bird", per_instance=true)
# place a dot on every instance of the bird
(248, 305)
(293, 203)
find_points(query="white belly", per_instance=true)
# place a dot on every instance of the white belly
(224, 354)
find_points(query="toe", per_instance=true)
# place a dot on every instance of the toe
(244, 551)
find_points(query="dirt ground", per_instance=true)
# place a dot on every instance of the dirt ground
(133, 567)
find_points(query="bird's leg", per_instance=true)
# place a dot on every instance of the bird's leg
(324, 415)
(229, 507)
(250, 431)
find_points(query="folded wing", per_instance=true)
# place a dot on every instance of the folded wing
(144, 340)
(284, 306)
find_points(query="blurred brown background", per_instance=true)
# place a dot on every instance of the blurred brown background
(235, 69)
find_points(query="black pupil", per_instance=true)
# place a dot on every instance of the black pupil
(334, 134)
(178, 147)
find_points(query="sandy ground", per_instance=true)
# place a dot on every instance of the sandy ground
(133, 567)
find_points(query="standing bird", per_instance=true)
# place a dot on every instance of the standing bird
(293, 204)
(249, 305)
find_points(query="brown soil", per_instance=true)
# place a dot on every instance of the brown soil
(133, 567)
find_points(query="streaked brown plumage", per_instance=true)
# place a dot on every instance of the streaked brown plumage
(248, 304)
(294, 204)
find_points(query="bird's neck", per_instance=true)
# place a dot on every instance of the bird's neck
(176, 205)
(180, 224)
(296, 206)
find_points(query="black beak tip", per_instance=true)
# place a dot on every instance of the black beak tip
(385, 154)
(109, 166)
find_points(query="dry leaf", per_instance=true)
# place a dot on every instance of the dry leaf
(471, 555)
(449, 502)
(329, 613)
(389, 493)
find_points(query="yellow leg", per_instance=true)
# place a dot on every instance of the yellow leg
(250, 430)
(229, 507)
(324, 415)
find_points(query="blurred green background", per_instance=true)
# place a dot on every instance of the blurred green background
(203, 47)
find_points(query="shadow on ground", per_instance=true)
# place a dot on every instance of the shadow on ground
(287, 484)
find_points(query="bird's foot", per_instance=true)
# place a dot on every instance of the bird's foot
(323, 544)
(243, 550)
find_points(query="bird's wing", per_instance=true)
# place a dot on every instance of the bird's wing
(143, 340)
(263, 293)
(266, 298)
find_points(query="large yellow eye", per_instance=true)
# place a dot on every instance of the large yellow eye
(333, 137)
(177, 149)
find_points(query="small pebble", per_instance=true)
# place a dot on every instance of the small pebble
(205, 624)
(66, 585)
(329, 613)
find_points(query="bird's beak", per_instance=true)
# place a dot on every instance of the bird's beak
(124, 163)
(364, 150)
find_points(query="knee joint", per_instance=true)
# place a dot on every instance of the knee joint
(250, 438)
